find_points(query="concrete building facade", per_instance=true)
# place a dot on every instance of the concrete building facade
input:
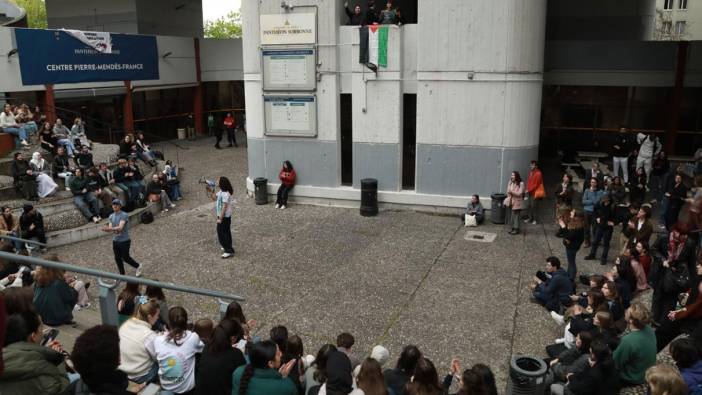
(464, 84)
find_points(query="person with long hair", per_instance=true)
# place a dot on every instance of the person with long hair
(265, 374)
(219, 360)
(176, 351)
(287, 177)
(425, 380)
(223, 211)
(573, 236)
(572, 360)
(536, 191)
(398, 377)
(156, 294)
(637, 188)
(685, 319)
(370, 378)
(677, 195)
(664, 379)
(54, 299)
(316, 374)
(515, 200)
(126, 301)
(9, 226)
(615, 306)
(137, 354)
(598, 377)
(641, 262)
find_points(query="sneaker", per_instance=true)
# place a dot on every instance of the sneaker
(138, 270)
(227, 255)
(558, 318)
(534, 222)
(277, 205)
(221, 248)
(282, 207)
(24, 142)
(96, 219)
(526, 220)
(68, 189)
(165, 210)
(172, 205)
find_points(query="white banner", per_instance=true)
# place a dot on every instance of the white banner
(288, 29)
(99, 41)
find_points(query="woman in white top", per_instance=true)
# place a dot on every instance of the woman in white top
(176, 351)
(223, 210)
(45, 184)
(136, 342)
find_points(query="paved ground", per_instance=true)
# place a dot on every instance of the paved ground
(395, 279)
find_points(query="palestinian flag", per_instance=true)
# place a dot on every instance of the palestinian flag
(374, 46)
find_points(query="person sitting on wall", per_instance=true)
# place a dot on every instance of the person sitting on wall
(108, 180)
(99, 187)
(83, 198)
(24, 178)
(475, 214)
(127, 147)
(9, 125)
(170, 173)
(144, 152)
(62, 167)
(32, 225)
(77, 133)
(287, 183)
(126, 181)
(552, 288)
(155, 192)
(84, 159)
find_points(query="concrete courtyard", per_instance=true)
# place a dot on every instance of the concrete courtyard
(396, 279)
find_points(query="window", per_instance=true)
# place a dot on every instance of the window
(668, 4)
(680, 27)
(682, 4)
(666, 27)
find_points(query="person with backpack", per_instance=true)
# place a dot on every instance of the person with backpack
(648, 149)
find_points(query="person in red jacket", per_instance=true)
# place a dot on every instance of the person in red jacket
(230, 124)
(535, 188)
(287, 182)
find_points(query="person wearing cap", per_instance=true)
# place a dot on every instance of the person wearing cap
(117, 224)
(32, 225)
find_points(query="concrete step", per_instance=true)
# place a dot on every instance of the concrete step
(90, 230)
(60, 196)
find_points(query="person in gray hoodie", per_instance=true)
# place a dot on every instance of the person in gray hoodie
(649, 148)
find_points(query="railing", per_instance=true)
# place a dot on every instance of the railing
(108, 297)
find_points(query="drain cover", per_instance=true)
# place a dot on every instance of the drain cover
(481, 237)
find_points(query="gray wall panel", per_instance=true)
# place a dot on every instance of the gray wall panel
(379, 161)
(455, 170)
(315, 162)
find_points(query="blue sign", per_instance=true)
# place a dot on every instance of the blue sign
(55, 57)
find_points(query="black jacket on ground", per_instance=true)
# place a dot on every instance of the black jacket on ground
(214, 371)
(396, 380)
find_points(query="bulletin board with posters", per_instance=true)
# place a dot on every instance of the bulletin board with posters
(289, 69)
(290, 115)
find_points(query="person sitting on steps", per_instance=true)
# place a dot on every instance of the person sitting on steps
(83, 198)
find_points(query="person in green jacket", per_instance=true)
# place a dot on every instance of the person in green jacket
(637, 350)
(264, 375)
(31, 368)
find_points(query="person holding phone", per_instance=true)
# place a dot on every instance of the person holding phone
(223, 211)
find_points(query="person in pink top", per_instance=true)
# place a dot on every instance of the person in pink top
(515, 200)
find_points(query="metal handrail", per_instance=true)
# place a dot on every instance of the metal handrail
(119, 277)
(13, 238)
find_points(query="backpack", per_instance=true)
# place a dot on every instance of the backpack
(147, 217)
(140, 201)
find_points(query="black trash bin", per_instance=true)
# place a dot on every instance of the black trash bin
(497, 210)
(369, 197)
(261, 190)
(526, 376)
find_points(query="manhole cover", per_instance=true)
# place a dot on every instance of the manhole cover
(481, 237)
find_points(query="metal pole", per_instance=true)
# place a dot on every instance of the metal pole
(12, 238)
(108, 302)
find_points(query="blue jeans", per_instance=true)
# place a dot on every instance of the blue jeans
(572, 269)
(542, 297)
(665, 202)
(87, 203)
(70, 148)
(175, 192)
(603, 235)
(22, 132)
(149, 377)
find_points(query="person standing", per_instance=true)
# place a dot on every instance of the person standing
(356, 18)
(118, 224)
(591, 197)
(620, 154)
(287, 182)
(230, 125)
(649, 149)
(535, 188)
(223, 210)
(605, 220)
(515, 200)
(573, 238)
(676, 195)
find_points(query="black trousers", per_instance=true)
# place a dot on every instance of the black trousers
(121, 250)
(231, 136)
(283, 191)
(218, 135)
(224, 234)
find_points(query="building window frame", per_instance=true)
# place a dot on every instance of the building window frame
(668, 5)
(682, 5)
(680, 27)
(666, 28)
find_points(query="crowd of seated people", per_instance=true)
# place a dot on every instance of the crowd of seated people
(19, 121)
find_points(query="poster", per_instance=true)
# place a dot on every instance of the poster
(289, 69)
(291, 115)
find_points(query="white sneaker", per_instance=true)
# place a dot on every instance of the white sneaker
(560, 340)
(221, 248)
(24, 142)
(282, 207)
(227, 255)
(138, 271)
(277, 205)
(558, 318)
(172, 205)
(165, 210)
(534, 222)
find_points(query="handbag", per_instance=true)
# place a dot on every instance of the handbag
(540, 192)
(470, 220)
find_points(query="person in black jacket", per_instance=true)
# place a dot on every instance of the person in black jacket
(620, 154)
(32, 225)
(372, 16)
(604, 226)
(24, 179)
(600, 378)
(552, 288)
(676, 194)
(356, 18)
(396, 379)
(83, 198)
(220, 359)
(573, 237)
(84, 159)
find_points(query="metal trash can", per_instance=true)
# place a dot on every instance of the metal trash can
(181, 134)
(498, 209)
(261, 190)
(526, 376)
(369, 197)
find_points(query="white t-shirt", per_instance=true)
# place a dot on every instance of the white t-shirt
(222, 198)
(176, 364)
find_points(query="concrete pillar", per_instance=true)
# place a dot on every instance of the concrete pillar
(479, 83)
(49, 104)
(199, 95)
(128, 109)
(674, 113)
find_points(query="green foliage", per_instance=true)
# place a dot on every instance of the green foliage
(36, 12)
(224, 27)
